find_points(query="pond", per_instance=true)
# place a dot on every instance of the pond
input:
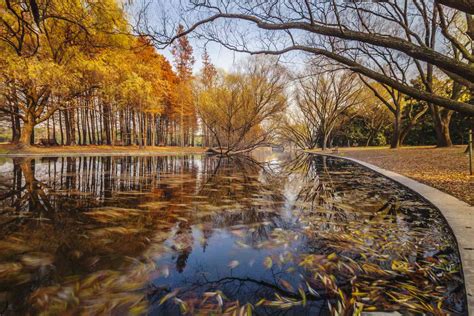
(170, 235)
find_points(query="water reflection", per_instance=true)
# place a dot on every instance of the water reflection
(188, 234)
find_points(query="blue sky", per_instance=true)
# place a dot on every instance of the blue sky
(173, 12)
(220, 56)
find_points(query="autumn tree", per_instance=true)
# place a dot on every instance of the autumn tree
(208, 79)
(209, 71)
(183, 62)
(238, 110)
(37, 51)
(376, 119)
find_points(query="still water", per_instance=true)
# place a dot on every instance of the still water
(278, 235)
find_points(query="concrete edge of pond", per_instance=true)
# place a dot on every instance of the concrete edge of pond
(458, 214)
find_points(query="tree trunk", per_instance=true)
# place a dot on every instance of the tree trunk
(395, 142)
(441, 121)
(106, 123)
(367, 143)
(54, 129)
(72, 122)
(27, 132)
(32, 137)
(61, 127)
(325, 141)
(16, 125)
(68, 127)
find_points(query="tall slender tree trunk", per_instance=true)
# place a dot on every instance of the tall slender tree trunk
(153, 130)
(72, 122)
(61, 127)
(121, 127)
(84, 126)
(16, 125)
(106, 123)
(78, 127)
(397, 122)
(54, 129)
(48, 133)
(134, 128)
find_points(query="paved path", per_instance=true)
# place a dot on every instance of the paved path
(458, 214)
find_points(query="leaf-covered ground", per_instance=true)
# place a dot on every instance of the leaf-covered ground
(446, 169)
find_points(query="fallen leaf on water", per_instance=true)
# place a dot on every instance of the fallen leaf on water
(286, 285)
(268, 262)
(168, 296)
(9, 268)
(37, 260)
(233, 264)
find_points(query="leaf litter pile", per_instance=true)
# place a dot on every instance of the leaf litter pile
(203, 235)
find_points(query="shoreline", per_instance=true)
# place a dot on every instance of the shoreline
(446, 169)
(9, 151)
(458, 214)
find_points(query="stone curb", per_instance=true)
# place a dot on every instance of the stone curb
(458, 214)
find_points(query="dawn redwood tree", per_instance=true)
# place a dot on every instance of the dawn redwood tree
(183, 62)
(209, 71)
(208, 79)
(39, 42)
(81, 78)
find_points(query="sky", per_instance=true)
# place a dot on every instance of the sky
(226, 59)
(221, 57)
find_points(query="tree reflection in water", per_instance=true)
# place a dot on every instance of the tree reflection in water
(182, 234)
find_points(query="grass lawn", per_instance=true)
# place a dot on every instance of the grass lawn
(446, 169)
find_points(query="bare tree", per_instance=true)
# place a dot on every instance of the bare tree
(297, 129)
(325, 97)
(376, 118)
(334, 29)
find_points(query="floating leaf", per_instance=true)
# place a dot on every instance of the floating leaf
(168, 296)
(233, 264)
(268, 262)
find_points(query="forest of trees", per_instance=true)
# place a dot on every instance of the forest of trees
(78, 73)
